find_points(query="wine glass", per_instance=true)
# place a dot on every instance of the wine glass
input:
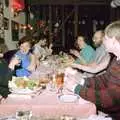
(60, 82)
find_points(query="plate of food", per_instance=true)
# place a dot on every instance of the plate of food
(23, 85)
(68, 98)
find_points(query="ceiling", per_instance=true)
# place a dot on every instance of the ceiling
(79, 2)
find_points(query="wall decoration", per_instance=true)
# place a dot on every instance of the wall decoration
(1, 7)
(1, 20)
(1, 23)
(6, 3)
(15, 30)
(18, 5)
(6, 23)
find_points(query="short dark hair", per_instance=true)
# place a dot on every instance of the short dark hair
(26, 39)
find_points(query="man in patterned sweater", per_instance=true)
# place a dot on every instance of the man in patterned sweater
(104, 90)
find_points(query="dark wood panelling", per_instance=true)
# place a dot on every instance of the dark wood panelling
(90, 2)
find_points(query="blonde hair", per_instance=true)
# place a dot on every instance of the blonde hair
(113, 30)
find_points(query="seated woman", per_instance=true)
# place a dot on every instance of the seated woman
(5, 74)
(86, 54)
(41, 49)
(27, 60)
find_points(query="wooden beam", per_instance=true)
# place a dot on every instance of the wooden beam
(64, 2)
(76, 20)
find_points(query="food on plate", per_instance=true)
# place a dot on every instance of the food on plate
(23, 82)
(66, 60)
(31, 84)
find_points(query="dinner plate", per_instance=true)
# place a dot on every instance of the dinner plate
(69, 98)
(22, 91)
(25, 91)
(17, 90)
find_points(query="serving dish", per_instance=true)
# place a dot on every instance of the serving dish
(68, 98)
(23, 85)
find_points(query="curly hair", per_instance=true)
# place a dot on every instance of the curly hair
(24, 39)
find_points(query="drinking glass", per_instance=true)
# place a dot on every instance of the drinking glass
(23, 115)
(52, 86)
(60, 82)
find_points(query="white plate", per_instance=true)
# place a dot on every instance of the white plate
(21, 91)
(16, 90)
(69, 98)
(25, 91)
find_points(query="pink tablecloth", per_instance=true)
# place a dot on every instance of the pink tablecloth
(47, 104)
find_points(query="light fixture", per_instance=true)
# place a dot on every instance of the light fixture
(17, 6)
(115, 3)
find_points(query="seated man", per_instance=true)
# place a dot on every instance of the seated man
(104, 89)
(86, 54)
(101, 58)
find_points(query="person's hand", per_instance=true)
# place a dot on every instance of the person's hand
(37, 63)
(75, 52)
(1, 55)
(14, 61)
(72, 51)
(50, 46)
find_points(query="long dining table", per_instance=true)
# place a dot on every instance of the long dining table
(46, 103)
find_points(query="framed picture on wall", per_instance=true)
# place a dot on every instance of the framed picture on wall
(1, 7)
(6, 3)
(15, 30)
(6, 23)
(21, 28)
(1, 36)
(1, 20)
(1, 40)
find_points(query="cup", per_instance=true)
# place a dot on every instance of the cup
(59, 82)
(18, 58)
(23, 115)
(51, 85)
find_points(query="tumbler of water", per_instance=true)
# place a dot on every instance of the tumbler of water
(23, 115)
